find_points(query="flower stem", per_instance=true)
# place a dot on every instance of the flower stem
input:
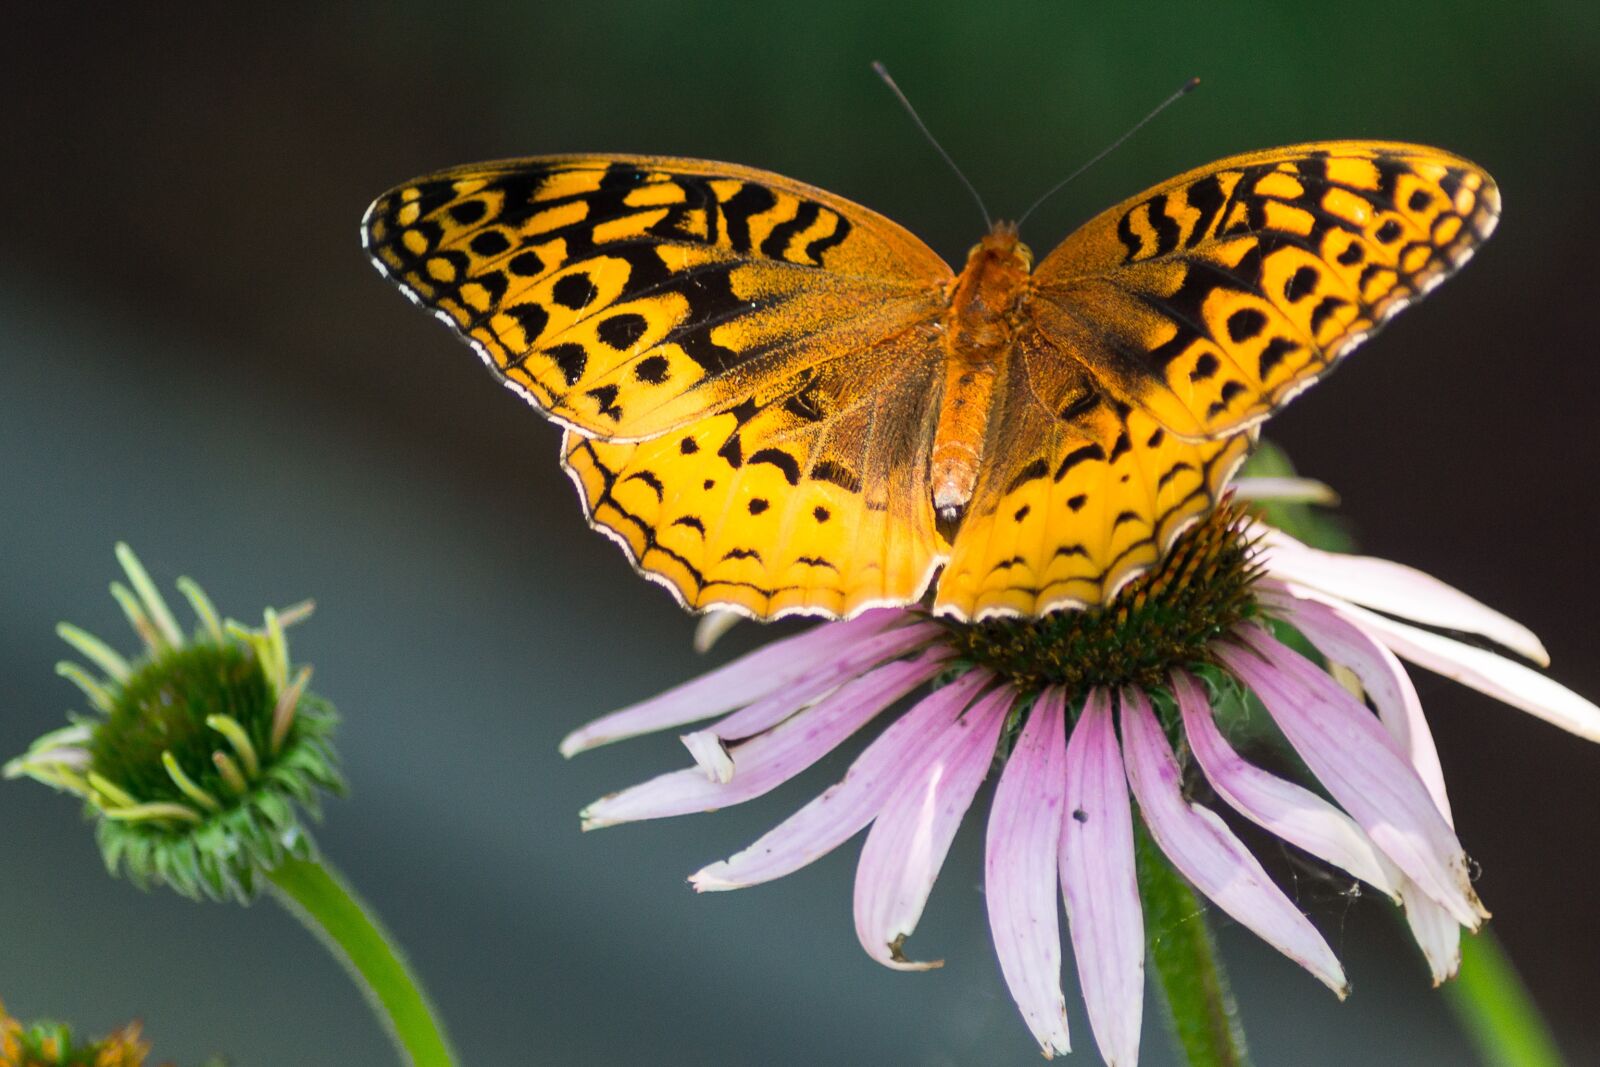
(1496, 1010)
(1200, 1008)
(329, 908)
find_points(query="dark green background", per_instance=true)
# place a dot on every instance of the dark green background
(195, 357)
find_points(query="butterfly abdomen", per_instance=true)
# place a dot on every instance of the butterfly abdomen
(979, 327)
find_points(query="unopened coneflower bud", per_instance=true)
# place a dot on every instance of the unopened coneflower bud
(198, 754)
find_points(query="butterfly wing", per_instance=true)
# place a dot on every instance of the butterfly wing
(1080, 492)
(1166, 328)
(629, 296)
(788, 504)
(743, 363)
(1212, 299)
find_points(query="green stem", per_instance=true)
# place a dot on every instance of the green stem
(1496, 1010)
(1204, 1019)
(329, 908)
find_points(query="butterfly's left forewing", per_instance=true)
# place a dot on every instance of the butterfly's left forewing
(743, 362)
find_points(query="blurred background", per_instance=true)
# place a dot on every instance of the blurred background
(195, 356)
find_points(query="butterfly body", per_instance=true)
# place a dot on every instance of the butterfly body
(779, 402)
(988, 304)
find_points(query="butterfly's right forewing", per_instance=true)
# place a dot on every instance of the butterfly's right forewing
(1213, 298)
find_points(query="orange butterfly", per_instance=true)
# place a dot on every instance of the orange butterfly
(780, 402)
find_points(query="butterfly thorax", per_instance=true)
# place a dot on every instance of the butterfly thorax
(986, 303)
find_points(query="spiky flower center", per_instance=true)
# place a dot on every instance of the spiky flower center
(164, 707)
(1167, 617)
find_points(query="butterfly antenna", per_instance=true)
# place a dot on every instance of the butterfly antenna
(883, 72)
(1184, 90)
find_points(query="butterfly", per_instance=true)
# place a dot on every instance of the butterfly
(780, 402)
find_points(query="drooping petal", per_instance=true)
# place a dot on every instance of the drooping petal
(1101, 885)
(911, 836)
(1480, 669)
(766, 670)
(709, 746)
(770, 759)
(1207, 853)
(1023, 839)
(1287, 810)
(899, 753)
(1360, 764)
(711, 626)
(1436, 933)
(1381, 675)
(1392, 588)
(1287, 489)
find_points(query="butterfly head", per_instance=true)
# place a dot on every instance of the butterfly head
(1001, 245)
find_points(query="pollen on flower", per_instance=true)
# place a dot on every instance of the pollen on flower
(1166, 617)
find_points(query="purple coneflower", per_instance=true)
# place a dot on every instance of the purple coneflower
(1087, 707)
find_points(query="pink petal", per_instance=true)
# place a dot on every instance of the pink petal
(897, 754)
(1287, 810)
(1381, 675)
(1357, 761)
(770, 759)
(1020, 871)
(748, 678)
(911, 836)
(1394, 589)
(1206, 852)
(709, 747)
(1100, 884)
(1484, 671)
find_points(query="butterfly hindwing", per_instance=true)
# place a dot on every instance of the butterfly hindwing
(782, 506)
(628, 296)
(1082, 493)
(1213, 298)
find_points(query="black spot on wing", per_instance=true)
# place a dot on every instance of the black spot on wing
(649, 479)
(652, 370)
(606, 397)
(819, 247)
(575, 291)
(489, 243)
(1206, 197)
(1036, 469)
(1079, 455)
(776, 243)
(1301, 284)
(1273, 354)
(468, 212)
(737, 210)
(570, 359)
(531, 319)
(622, 331)
(780, 459)
(526, 264)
